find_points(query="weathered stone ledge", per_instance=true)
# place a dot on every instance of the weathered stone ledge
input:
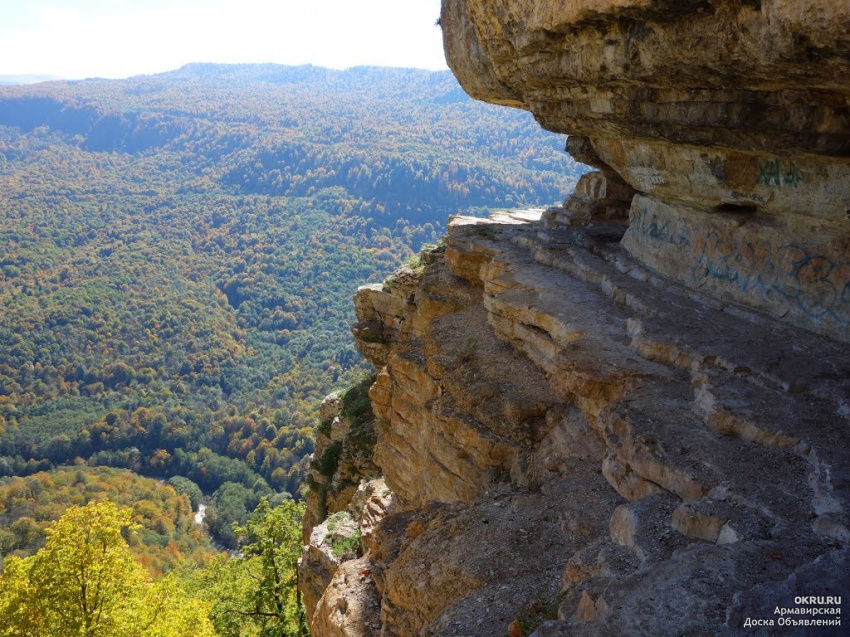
(545, 367)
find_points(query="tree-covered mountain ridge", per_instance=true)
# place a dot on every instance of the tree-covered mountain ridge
(365, 108)
(178, 254)
(179, 251)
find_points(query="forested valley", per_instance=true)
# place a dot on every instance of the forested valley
(178, 255)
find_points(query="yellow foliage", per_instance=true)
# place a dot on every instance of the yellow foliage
(86, 582)
(163, 514)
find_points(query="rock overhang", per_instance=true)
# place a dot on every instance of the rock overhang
(729, 120)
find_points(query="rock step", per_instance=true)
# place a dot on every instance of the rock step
(597, 312)
(692, 326)
(793, 394)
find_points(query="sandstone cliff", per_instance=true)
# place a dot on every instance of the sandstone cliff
(631, 414)
(729, 118)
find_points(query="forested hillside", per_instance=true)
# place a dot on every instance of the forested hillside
(165, 533)
(178, 252)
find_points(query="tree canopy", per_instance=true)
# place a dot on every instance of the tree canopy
(163, 531)
(179, 253)
(257, 594)
(85, 581)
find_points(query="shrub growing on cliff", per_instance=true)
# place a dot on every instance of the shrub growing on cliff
(324, 428)
(327, 464)
(347, 548)
(336, 519)
(357, 408)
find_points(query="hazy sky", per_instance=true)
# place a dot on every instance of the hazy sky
(119, 38)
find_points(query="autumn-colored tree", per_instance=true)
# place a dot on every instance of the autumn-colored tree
(86, 582)
(178, 253)
(28, 506)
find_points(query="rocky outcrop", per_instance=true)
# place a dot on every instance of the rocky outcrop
(345, 498)
(754, 75)
(730, 118)
(331, 562)
(563, 431)
(628, 415)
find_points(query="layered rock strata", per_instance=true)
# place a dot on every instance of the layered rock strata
(730, 118)
(629, 415)
(563, 431)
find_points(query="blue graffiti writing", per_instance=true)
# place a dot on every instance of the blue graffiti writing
(745, 264)
(650, 225)
(818, 286)
(804, 280)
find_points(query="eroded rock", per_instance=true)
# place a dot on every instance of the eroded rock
(547, 395)
(725, 117)
(596, 424)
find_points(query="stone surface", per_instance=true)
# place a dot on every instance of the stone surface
(345, 503)
(597, 197)
(331, 406)
(790, 266)
(725, 117)
(549, 405)
(316, 568)
(592, 423)
(749, 75)
(349, 604)
(371, 503)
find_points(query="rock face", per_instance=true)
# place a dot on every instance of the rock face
(730, 118)
(563, 430)
(629, 415)
(344, 499)
(754, 75)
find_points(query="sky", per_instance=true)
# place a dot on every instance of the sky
(76, 39)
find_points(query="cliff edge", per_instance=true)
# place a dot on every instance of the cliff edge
(628, 415)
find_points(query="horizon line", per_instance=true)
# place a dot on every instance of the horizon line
(37, 78)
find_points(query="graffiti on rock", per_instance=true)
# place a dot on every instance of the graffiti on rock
(819, 286)
(772, 173)
(748, 265)
(646, 178)
(795, 278)
(654, 226)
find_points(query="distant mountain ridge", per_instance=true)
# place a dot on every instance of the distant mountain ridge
(26, 79)
(303, 114)
(81, 107)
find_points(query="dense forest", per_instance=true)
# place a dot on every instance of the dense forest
(179, 252)
(165, 533)
(178, 255)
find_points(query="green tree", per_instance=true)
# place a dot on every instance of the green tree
(185, 486)
(232, 503)
(257, 594)
(86, 582)
(273, 541)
